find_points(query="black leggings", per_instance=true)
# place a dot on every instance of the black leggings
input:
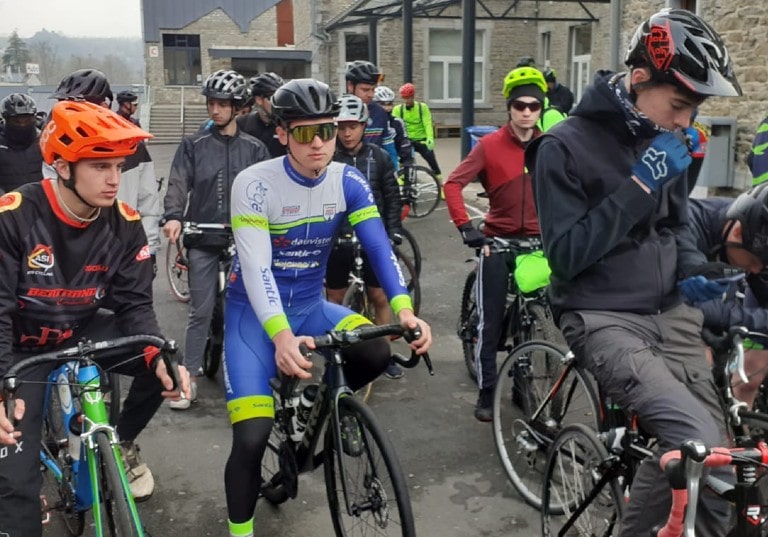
(242, 476)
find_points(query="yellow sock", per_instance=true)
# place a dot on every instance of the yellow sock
(242, 529)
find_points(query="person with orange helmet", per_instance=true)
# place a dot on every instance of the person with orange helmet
(418, 125)
(70, 234)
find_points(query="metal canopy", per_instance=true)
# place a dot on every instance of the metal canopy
(362, 12)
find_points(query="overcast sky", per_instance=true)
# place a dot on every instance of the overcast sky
(75, 18)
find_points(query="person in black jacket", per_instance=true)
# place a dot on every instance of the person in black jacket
(611, 191)
(202, 172)
(377, 167)
(20, 159)
(259, 123)
(736, 232)
(559, 96)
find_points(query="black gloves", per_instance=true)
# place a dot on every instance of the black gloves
(471, 235)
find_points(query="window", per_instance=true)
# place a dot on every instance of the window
(181, 59)
(546, 48)
(690, 5)
(581, 58)
(356, 47)
(445, 66)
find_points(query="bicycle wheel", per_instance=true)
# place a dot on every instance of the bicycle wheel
(469, 318)
(112, 398)
(55, 435)
(521, 434)
(116, 500)
(177, 270)
(421, 191)
(411, 281)
(272, 488)
(367, 492)
(540, 324)
(410, 249)
(214, 345)
(574, 468)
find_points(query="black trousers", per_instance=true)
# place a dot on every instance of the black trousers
(20, 477)
(428, 154)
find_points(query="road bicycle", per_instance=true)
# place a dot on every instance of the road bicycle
(420, 190)
(177, 269)
(80, 450)
(589, 473)
(526, 314)
(366, 489)
(405, 243)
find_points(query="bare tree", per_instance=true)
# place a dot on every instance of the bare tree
(47, 57)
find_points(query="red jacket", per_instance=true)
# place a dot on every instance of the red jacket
(498, 160)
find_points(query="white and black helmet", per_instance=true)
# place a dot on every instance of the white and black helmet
(383, 94)
(352, 108)
(228, 85)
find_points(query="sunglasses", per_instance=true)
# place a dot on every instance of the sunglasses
(535, 106)
(304, 134)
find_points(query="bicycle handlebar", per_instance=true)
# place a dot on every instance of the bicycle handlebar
(192, 228)
(168, 349)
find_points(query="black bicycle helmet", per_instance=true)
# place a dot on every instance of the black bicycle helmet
(526, 61)
(17, 104)
(681, 49)
(304, 98)
(751, 210)
(226, 84)
(363, 72)
(126, 96)
(266, 84)
(87, 84)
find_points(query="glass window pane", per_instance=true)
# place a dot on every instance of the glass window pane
(445, 43)
(478, 81)
(454, 81)
(583, 40)
(356, 47)
(436, 80)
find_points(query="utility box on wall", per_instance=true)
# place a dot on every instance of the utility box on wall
(719, 162)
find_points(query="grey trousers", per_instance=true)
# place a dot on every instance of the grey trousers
(203, 286)
(655, 367)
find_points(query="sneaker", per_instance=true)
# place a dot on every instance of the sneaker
(184, 403)
(140, 478)
(351, 437)
(484, 406)
(393, 371)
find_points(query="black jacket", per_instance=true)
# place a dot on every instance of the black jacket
(377, 167)
(204, 167)
(19, 165)
(264, 132)
(611, 246)
(561, 98)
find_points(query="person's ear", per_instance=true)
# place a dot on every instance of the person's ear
(639, 75)
(282, 135)
(63, 169)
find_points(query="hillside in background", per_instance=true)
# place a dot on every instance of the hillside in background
(121, 58)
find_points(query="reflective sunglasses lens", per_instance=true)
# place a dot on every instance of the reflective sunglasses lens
(304, 134)
(327, 131)
(520, 106)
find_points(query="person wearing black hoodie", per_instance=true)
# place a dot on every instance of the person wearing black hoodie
(20, 158)
(611, 192)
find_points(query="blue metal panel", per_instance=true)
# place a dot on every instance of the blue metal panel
(176, 14)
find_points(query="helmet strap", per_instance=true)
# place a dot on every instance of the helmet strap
(70, 184)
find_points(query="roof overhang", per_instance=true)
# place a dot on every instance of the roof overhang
(261, 53)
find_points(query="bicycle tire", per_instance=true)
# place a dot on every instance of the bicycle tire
(121, 513)
(411, 281)
(422, 194)
(574, 467)
(410, 249)
(469, 319)
(54, 436)
(272, 488)
(113, 401)
(382, 506)
(523, 384)
(177, 273)
(214, 343)
(542, 325)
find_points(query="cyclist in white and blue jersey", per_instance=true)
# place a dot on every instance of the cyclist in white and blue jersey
(285, 212)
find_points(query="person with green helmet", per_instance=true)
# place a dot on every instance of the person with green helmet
(498, 159)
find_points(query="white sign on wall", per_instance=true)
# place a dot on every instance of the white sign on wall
(33, 68)
(154, 51)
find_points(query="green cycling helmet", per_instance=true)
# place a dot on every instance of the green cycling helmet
(523, 76)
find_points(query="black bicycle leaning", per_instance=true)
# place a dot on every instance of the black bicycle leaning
(366, 489)
(526, 315)
(420, 190)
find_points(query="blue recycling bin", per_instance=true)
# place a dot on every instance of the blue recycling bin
(478, 131)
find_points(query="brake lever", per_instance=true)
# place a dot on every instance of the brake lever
(10, 385)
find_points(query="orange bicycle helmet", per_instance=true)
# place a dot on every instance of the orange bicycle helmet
(80, 129)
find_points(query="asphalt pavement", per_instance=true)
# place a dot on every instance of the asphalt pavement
(456, 482)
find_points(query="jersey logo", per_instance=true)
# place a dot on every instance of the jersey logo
(281, 242)
(128, 212)
(10, 201)
(143, 253)
(40, 260)
(329, 211)
(256, 192)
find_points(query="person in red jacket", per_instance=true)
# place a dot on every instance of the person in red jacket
(498, 160)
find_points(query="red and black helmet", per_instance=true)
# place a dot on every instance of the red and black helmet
(681, 49)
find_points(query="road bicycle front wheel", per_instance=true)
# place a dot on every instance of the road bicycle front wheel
(367, 492)
(409, 248)
(214, 345)
(177, 270)
(116, 504)
(272, 488)
(576, 469)
(469, 319)
(421, 191)
(522, 431)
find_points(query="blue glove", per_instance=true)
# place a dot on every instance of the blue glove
(700, 289)
(666, 158)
